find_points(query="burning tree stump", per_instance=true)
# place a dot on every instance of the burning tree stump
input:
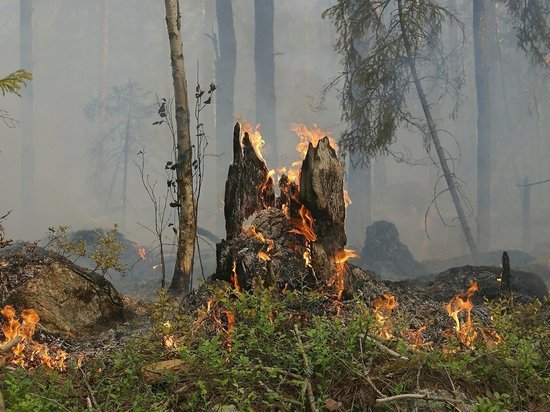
(322, 193)
(249, 186)
(301, 240)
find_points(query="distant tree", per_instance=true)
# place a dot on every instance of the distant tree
(124, 109)
(264, 61)
(27, 113)
(187, 225)
(531, 21)
(405, 50)
(226, 68)
(483, 40)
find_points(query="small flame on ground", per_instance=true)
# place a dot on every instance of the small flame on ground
(255, 137)
(170, 341)
(340, 259)
(383, 307)
(462, 303)
(29, 353)
(230, 327)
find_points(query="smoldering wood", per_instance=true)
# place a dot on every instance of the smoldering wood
(286, 266)
(322, 193)
(506, 278)
(248, 188)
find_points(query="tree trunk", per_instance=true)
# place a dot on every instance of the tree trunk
(482, 68)
(226, 67)
(184, 173)
(432, 128)
(103, 68)
(27, 116)
(360, 210)
(264, 58)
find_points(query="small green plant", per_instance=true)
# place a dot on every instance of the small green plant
(105, 251)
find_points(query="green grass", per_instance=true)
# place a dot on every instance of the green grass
(258, 363)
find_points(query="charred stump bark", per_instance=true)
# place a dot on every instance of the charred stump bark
(296, 240)
(322, 193)
(249, 187)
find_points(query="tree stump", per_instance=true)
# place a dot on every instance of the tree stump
(297, 239)
(249, 186)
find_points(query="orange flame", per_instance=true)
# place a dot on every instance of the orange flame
(304, 225)
(462, 303)
(383, 307)
(264, 256)
(340, 259)
(255, 138)
(234, 278)
(230, 327)
(311, 135)
(251, 231)
(28, 353)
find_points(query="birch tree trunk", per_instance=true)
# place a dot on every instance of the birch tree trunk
(186, 208)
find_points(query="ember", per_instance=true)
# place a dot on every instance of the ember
(28, 353)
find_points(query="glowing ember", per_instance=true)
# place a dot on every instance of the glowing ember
(462, 303)
(415, 337)
(263, 256)
(307, 259)
(28, 353)
(383, 307)
(255, 138)
(340, 259)
(304, 225)
(234, 278)
(251, 231)
(311, 135)
(170, 341)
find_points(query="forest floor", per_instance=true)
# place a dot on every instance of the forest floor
(267, 350)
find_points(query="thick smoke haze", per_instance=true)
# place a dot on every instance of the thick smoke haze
(67, 60)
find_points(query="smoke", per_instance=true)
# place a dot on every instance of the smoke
(67, 55)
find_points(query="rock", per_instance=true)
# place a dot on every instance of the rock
(384, 253)
(68, 298)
